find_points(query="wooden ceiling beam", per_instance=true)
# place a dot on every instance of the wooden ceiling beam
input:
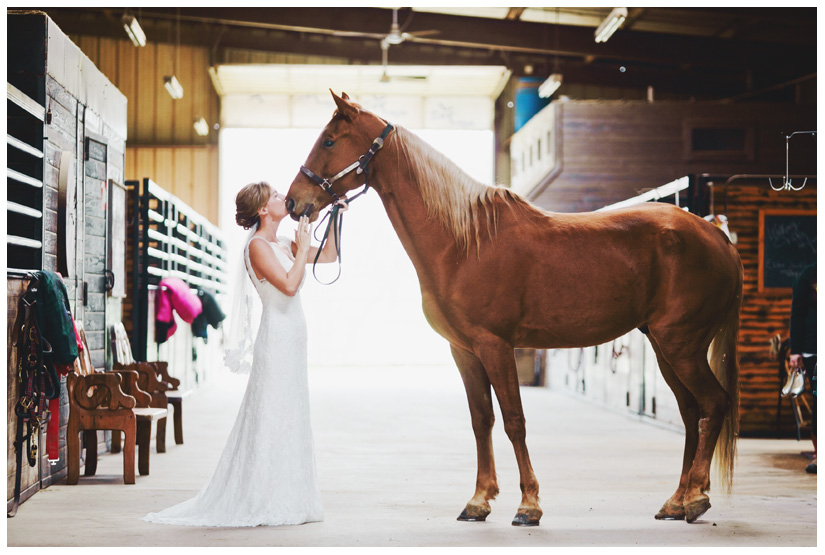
(488, 34)
(693, 65)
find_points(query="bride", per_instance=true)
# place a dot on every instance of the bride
(266, 475)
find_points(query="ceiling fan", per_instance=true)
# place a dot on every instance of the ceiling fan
(397, 36)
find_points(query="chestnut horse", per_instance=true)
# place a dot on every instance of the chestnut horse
(498, 273)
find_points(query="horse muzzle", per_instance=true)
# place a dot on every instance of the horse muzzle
(296, 213)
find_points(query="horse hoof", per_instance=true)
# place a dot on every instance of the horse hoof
(695, 509)
(671, 511)
(473, 514)
(527, 517)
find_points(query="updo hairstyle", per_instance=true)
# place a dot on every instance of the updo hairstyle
(249, 201)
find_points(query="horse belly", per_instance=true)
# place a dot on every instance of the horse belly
(581, 326)
(583, 307)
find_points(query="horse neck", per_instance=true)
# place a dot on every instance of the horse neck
(422, 240)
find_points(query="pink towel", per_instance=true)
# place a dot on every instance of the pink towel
(174, 295)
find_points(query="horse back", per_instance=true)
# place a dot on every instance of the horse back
(554, 279)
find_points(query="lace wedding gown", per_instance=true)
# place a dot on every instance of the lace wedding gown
(266, 475)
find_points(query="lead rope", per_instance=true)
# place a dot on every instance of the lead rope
(336, 223)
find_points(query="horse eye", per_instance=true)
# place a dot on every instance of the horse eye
(328, 143)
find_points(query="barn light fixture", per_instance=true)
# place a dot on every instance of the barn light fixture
(172, 85)
(553, 82)
(610, 24)
(170, 81)
(550, 85)
(201, 127)
(133, 29)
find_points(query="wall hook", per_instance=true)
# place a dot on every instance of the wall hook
(786, 184)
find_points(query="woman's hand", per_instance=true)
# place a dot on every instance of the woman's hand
(302, 236)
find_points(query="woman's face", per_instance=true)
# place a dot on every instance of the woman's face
(276, 206)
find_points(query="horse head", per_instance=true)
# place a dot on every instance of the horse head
(337, 162)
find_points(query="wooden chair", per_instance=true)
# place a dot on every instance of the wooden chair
(97, 401)
(150, 393)
(164, 388)
(174, 396)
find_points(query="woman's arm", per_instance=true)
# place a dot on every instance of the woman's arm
(266, 266)
(328, 253)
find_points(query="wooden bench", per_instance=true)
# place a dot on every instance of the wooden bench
(97, 401)
(165, 384)
(150, 393)
(174, 396)
(146, 415)
(175, 399)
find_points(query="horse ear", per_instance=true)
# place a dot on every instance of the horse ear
(346, 109)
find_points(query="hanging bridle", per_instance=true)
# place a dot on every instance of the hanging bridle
(336, 217)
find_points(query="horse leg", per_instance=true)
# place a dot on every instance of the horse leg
(479, 396)
(694, 372)
(674, 509)
(500, 363)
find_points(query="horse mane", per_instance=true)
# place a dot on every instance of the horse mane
(452, 196)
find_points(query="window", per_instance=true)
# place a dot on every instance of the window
(715, 141)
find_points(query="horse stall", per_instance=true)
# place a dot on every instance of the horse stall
(167, 238)
(65, 145)
(712, 160)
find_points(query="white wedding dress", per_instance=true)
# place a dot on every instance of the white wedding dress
(266, 475)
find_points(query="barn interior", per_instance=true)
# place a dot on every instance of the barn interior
(131, 130)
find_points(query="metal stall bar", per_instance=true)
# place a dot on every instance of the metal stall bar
(172, 241)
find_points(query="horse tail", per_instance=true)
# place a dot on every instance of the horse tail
(725, 365)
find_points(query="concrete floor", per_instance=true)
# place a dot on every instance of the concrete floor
(396, 460)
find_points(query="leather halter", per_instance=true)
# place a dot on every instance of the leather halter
(336, 218)
(360, 165)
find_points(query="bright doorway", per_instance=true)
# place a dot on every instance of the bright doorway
(372, 315)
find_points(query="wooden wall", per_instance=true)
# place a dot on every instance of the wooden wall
(154, 118)
(29, 476)
(188, 172)
(162, 143)
(614, 150)
(763, 314)
(82, 106)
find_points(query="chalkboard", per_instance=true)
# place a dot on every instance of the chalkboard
(787, 244)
